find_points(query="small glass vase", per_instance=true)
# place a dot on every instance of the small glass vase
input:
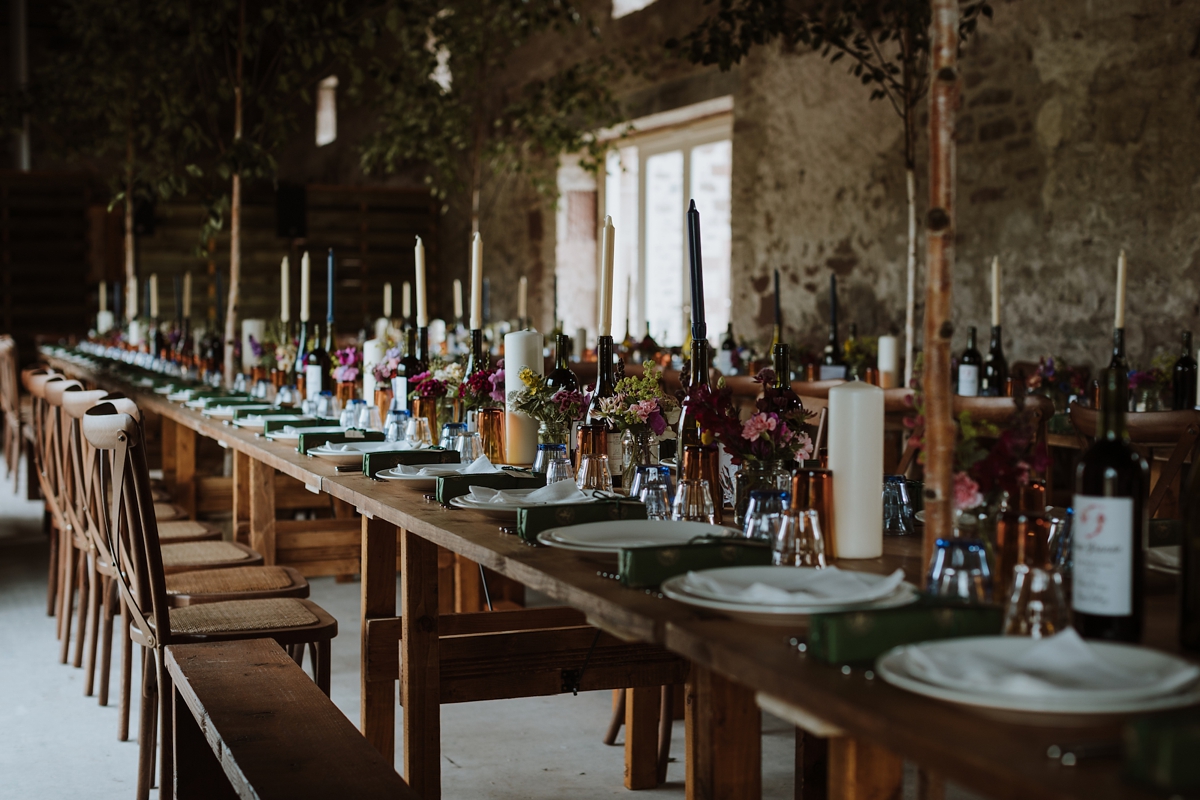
(490, 422)
(754, 476)
(426, 407)
(639, 448)
(346, 391)
(383, 400)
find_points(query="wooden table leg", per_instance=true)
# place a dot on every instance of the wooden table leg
(262, 510)
(642, 705)
(169, 427)
(419, 667)
(198, 774)
(860, 770)
(185, 469)
(467, 588)
(378, 697)
(812, 754)
(241, 497)
(724, 739)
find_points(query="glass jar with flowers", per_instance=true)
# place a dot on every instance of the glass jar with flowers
(644, 413)
(386, 371)
(426, 394)
(348, 362)
(482, 396)
(554, 409)
(761, 447)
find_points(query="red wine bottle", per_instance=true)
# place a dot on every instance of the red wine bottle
(1111, 484)
(561, 377)
(782, 356)
(1183, 377)
(995, 367)
(969, 367)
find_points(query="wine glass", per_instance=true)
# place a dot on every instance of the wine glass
(799, 541)
(546, 453)
(397, 425)
(657, 501)
(897, 508)
(693, 502)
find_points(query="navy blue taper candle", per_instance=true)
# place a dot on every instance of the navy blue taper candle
(699, 328)
(329, 306)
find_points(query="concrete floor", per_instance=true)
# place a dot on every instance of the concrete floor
(57, 743)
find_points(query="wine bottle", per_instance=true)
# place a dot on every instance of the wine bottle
(782, 356)
(833, 365)
(605, 385)
(689, 425)
(726, 361)
(561, 377)
(1118, 360)
(302, 347)
(969, 367)
(1189, 610)
(409, 367)
(1183, 377)
(1110, 524)
(423, 349)
(648, 348)
(479, 357)
(995, 367)
(317, 365)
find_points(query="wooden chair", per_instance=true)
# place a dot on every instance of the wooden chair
(10, 409)
(1178, 430)
(130, 532)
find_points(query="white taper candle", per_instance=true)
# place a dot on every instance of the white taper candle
(387, 300)
(422, 303)
(1121, 267)
(285, 291)
(995, 291)
(523, 298)
(187, 296)
(406, 300)
(476, 282)
(458, 312)
(154, 296)
(103, 296)
(305, 280)
(606, 277)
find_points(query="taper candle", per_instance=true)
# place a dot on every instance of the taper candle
(373, 352)
(1121, 266)
(522, 298)
(606, 276)
(285, 291)
(187, 296)
(305, 284)
(103, 296)
(154, 295)
(995, 291)
(387, 300)
(476, 282)
(778, 309)
(458, 312)
(131, 307)
(422, 304)
(406, 300)
(329, 290)
(699, 326)
(628, 300)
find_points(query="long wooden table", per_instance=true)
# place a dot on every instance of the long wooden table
(735, 667)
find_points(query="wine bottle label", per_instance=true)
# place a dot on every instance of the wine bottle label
(1102, 547)
(968, 380)
(400, 393)
(312, 381)
(832, 372)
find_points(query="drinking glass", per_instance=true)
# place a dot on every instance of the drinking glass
(649, 475)
(657, 501)
(560, 468)
(450, 432)
(693, 502)
(286, 396)
(368, 418)
(1061, 558)
(897, 509)
(327, 405)
(469, 446)
(594, 473)
(239, 382)
(799, 541)
(397, 425)
(547, 453)
(959, 570)
(764, 514)
(349, 417)
(1038, 606)
(417, 433)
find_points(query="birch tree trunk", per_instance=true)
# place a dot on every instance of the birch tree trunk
(235, 212)
(939, 248)
(910, 304)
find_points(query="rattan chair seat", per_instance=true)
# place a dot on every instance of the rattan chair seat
(222, 581)
(174, 555)
(240, 615)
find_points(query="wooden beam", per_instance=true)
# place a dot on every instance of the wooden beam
(860, 770)
(377, 704)
(420, 690)
(724, 739)
(262, 510)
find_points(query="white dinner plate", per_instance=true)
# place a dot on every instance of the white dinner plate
(427, 481)
(789, 579)
(616, 535)
(256, 422)
(508, 511)
(354, 451)
(790, 615)
(892, 667)
(294, 435)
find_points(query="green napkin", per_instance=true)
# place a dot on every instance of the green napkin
(1160, 752)
(532, 521)
(453, 486)
(850, 637)
(643, 567)
(374, 463)
(310, 440)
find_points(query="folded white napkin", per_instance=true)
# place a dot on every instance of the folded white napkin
(1062, 663)
(480, 466)
(823, 586)
(558, 492)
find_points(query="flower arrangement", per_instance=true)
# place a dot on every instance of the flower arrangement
(389, 367)
(448, 372)
(555, 410)
(483, 389)
(427, 386)
(640, 404)
(775, 432)
(349, 362)
(860, 352)
(1055, 375)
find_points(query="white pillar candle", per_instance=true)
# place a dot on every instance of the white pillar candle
(1121, 266)
(387, 300)
(476, 282)
(305, 279)
(104, 322)
(135, 331)
(285, 290)
(606, 277)
(995, 291)
(131, 304)
(405, 300)
(103, 296)
(187, 296)
(521, 349)
(888, 360)
(373, 352)
(458, 313)
(856, 460)
(422, 304)
(256, 328)
(523, 298)
(154, 296)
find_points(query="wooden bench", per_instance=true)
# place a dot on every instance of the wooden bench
(249, 723)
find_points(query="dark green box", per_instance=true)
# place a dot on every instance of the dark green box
(1160, 752)
(375, 463)
(851, 637)
(453, 486)
(532, 521)
(310, 440)
(643, 567)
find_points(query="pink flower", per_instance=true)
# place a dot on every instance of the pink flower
(759, 424)
(966, 492)
(805, 450)
(645, 408)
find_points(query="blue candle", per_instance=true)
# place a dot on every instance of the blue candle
(329, 307)
(699, 328)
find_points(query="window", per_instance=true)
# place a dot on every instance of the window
(327, 110)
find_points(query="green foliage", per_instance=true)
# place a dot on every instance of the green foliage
(480, 119)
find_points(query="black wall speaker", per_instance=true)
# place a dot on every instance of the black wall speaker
(291, 211)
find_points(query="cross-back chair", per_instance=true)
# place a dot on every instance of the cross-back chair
(127, 527)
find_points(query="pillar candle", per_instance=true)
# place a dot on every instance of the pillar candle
(104, 322)
(606, 277)
(135, 330)
(1120, 318)
(422, 303)
(154, 295)
(373, 353)
(579, 344)
(522, 298)
(285, 291)
(521, 349)
(251, 328)
(387, 300)
(103, 296)
(476, 282)
(187, 295)
(995, 291)
(305, 279)
(458, 312)
(856, 460)
(888, 360)
(405, 300)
